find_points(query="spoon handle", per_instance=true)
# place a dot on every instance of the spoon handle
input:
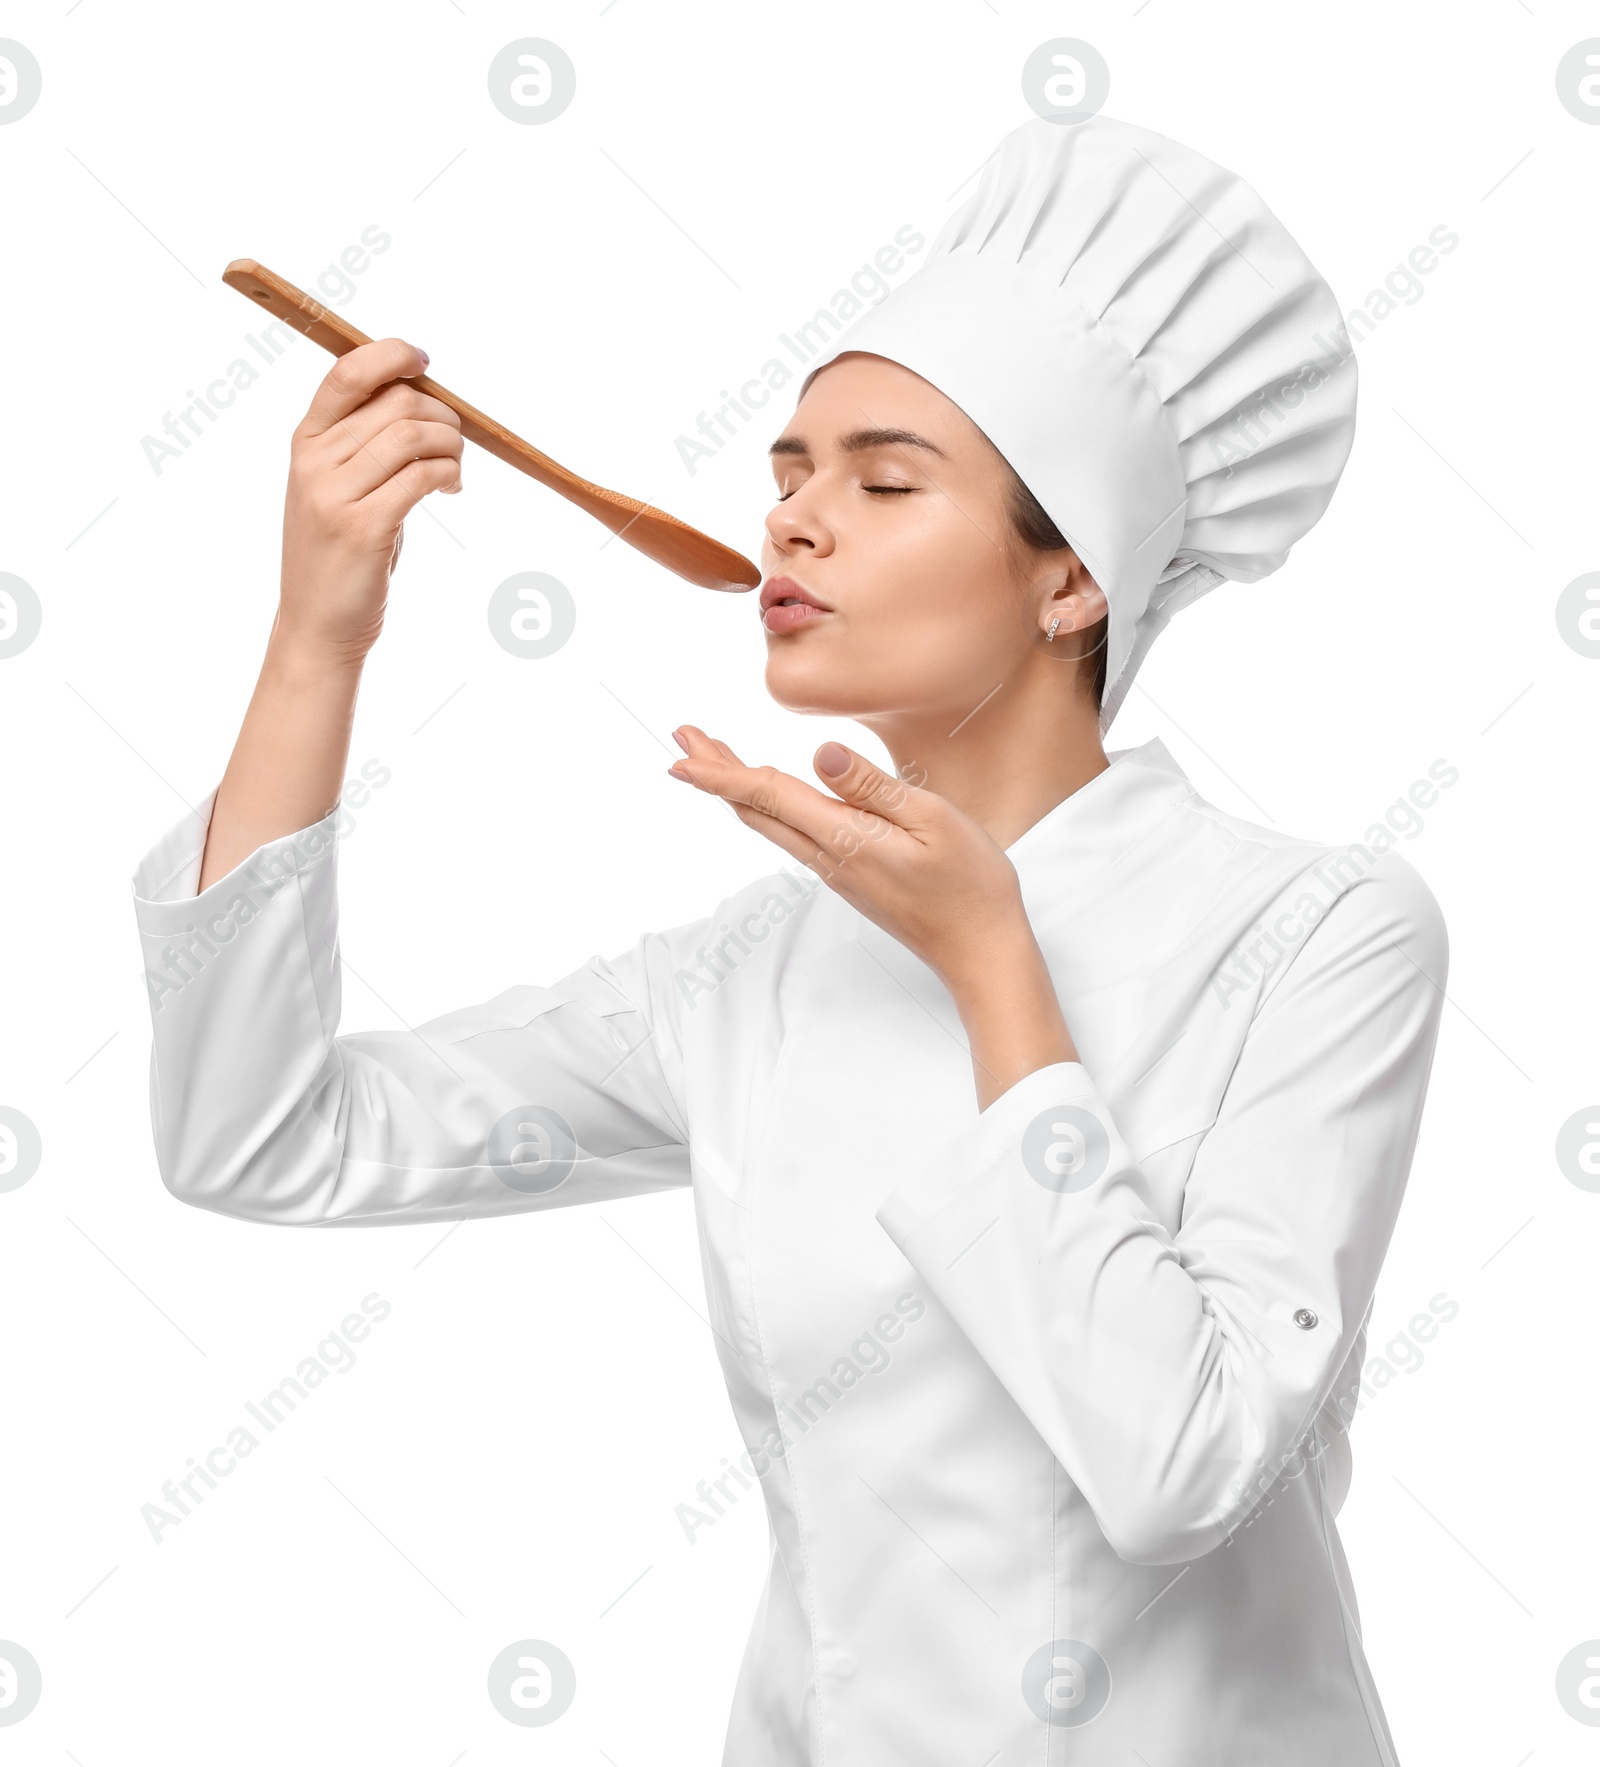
(660, 536)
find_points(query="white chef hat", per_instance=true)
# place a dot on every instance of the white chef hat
(1138, 335)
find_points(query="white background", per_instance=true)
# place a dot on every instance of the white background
(505, 1458)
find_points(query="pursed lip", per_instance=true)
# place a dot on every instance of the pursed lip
(780, 589)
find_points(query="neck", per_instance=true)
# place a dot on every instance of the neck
(1008, 762)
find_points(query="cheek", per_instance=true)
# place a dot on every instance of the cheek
(957, 648)
(936, 567)
(950, 597)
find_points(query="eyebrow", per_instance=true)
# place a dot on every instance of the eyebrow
(859, 440)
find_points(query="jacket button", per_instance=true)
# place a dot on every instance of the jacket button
(1305, 1319)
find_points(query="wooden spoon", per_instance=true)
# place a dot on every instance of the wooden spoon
(660, 536)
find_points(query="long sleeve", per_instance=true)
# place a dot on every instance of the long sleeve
(541, 1097)
(1174, 1373)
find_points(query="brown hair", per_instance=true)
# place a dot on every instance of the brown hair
(1035, 528)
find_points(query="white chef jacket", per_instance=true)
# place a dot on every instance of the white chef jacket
(1047, 1401)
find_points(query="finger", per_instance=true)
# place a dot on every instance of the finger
(694, 741)
(791, 840)
(396, 497)
(403, 441)
(356, 376)
(859, 782)
(796, 844)
(400, 399)
(825, 821)
(824, 862)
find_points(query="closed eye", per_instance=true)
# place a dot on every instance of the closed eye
(880, 490)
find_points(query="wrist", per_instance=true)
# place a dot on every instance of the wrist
(300, 658)
(994, 962)
(1010, 1012)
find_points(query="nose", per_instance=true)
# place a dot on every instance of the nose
(794, 524)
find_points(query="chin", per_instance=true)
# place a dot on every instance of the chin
(816, 684)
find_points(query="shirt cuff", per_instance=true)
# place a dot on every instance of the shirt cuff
(165, 899)
(986, 1151)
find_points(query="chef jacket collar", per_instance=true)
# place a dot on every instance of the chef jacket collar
(1093, 826)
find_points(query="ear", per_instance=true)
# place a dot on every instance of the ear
(1068, 594)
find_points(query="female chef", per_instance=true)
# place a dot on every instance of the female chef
(1088, 1102)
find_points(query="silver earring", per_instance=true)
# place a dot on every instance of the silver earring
(1050, 636)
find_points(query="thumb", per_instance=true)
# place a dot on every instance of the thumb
(858, 781)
